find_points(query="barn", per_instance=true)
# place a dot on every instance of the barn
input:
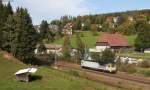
(113, 41)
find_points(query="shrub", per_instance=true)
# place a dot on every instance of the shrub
(129, 68)
(144, 64)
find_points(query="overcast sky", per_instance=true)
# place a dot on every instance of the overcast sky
(54, 9)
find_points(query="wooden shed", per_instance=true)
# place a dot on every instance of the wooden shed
(25, 74)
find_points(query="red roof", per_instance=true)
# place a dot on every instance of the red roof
(113, 39)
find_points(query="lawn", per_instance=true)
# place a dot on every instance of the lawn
(50, 79)
(90, 40)
(87, 38)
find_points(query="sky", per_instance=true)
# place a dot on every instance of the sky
(54, 9)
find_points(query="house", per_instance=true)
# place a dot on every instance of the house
(147, 50)
(54, 28)
(113, 41)
(25, 74)
(68, 29)
(130, 18)
(115, 19)
(37, 28)
(50, 48)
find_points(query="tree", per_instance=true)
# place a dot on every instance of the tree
(7, 27)
(42, 48)
(94, 30)
(8, 10)
(66, 47)
(24, 39)
(80, 46)
(127, 28)
(1, 22)
(44, 28)
(107, 57)
(143, 38)
(87, 26)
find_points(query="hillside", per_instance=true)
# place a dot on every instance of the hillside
(48, 79)
(90, 40)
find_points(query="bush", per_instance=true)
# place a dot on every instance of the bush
(129, 68)
(144, 64)
(147, 73)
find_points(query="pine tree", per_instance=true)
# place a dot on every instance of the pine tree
(80, 46)
(9, 10)
(24, 38)
(1, 22)
(7, 17)
(44, 28)
(66, 47)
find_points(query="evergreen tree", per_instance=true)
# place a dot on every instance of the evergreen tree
(80, 46)
(7, 17)
(9, 10)
(1, 22)
(44, 28)
(24, 38)
(143, 39)
(66, 47)
(107, 57)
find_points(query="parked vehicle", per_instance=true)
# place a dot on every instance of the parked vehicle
(96, 66)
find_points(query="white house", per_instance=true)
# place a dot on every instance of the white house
(115, 19)
(147, 50)
(50, 48)
(130, 18)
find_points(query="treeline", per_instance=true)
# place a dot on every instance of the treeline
(17, 34)
(123, 22)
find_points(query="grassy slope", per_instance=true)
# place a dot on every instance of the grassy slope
(90, 40)
(51, 79)
(87, 38)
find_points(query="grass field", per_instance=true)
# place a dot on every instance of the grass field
(90, 40)
(49, 79)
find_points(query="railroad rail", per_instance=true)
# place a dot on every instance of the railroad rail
(119, 75)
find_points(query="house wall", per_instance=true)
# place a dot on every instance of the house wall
(146, 51)
(102, 48)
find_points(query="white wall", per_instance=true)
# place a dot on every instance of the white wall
(102, 48)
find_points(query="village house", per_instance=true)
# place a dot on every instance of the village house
(130, 18)
(68, 29)
(115, 19)
(37, 28)
(50, 48)
(147, 50)
(113, 41)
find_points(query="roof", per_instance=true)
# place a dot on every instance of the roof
(113, 39)
(28, 70)
(52, 46)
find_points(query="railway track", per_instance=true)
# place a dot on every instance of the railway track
(132, 78)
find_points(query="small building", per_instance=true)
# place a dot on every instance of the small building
(50, 48)
(37, 28)
(68, 29)
(147, 50)
(130, 18)
(113, 41)
(25, 74)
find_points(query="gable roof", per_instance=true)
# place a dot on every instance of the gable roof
(28, 70)
(113, 39)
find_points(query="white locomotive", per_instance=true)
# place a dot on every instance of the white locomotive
(96, 66)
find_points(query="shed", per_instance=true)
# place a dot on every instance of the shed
(25, 74)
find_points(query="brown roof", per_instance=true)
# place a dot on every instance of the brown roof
(113, 39)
